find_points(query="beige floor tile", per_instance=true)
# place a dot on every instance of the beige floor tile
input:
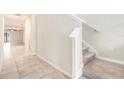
(9, 76)
(54, 76)
(30, 76)
(19, 65)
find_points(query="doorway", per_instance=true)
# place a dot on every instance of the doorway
(19, 44)
(19, 35)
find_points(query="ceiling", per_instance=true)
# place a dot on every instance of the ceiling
(104, 22)
(15, 20)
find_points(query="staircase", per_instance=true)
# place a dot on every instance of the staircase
(95, 68)
(88, 56)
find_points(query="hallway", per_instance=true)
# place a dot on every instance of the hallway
(20, 65)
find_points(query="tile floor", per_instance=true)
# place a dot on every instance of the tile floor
(20, 65)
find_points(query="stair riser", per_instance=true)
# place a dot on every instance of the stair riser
(85, 50)
(87, 60)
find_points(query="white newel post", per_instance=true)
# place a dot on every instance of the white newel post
(1, 40)
(77, 64)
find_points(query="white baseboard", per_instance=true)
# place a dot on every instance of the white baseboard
(56, 67)
(110, 60)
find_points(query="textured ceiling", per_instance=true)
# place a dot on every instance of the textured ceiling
(14, 20)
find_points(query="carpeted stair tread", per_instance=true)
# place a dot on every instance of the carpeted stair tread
(87, 57)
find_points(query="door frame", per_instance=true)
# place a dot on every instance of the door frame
(30, 35)
(1, 41)
(33, 35)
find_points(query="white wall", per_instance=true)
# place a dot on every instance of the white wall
(16, 37)
(53, 42)
(109, 44)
